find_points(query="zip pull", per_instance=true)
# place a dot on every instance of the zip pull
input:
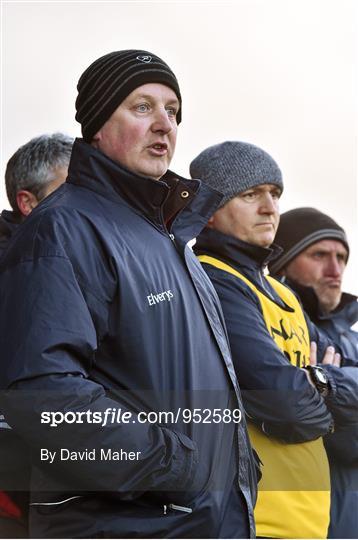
(263, 286)
(180, 508)
(164, 509)
(172, 237)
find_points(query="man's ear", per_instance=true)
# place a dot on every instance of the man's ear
(210, 223)
(26, 202)
(96, 138)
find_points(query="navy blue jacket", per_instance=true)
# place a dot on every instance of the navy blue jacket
(116, 312)
(268, 373)
(342, 445)
(280, 414)
(338, 324)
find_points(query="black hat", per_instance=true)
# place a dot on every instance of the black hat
(299, 229)
(111, 78)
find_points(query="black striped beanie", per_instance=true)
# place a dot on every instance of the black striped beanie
(110, 79)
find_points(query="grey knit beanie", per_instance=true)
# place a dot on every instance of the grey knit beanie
(233, 167)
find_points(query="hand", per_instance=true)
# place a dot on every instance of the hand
(330, 356)
(313, 353)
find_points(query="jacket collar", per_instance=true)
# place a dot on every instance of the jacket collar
(348, 306)
(235, 251)
(8, 224)
(93, 170)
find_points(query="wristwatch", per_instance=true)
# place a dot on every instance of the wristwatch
(319, 379)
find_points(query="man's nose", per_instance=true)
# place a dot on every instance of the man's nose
(161, 121)
(334, 268)
(268, 204)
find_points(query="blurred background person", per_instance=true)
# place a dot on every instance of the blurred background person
(34, 171)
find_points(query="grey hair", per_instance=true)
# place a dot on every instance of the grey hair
(34, 165)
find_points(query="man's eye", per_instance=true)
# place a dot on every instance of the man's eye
(171, 111)
(276, 194)
(249, 196)
(142, 107)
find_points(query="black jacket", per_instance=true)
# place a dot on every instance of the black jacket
(116, 312)
(341, 446)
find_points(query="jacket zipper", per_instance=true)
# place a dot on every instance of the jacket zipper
(184, 509)
(264, 288)
(57, 502)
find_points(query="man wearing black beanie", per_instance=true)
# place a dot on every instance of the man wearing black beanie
(115, 354)
(312, 262)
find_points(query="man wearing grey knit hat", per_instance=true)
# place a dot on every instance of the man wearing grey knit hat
(107, 348)
(284, 396)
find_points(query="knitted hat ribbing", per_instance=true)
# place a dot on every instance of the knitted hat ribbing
(299, 229)
(233, 167)
(110, 79)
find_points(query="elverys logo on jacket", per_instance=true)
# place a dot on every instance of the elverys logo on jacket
(164, 296)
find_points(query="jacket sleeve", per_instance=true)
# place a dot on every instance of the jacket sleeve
(277, 395)
(343, 398)
(48, 339)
